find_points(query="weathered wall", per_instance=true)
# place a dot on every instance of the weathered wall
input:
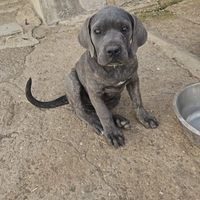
(52, 11)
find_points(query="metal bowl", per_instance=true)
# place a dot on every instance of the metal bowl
(187, 108)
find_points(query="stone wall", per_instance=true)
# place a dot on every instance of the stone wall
(52, 11)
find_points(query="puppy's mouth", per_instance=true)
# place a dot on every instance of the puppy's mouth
(111, 63)
(116, 62)
(114, 65)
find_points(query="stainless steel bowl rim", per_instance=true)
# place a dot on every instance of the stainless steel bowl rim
(188, 126)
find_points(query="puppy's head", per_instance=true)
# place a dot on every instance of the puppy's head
(112, 35)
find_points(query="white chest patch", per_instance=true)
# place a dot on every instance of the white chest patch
(120, 83)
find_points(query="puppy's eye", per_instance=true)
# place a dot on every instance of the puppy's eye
(125, 28)
(97, 31)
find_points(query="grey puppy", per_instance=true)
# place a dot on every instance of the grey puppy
(111, 37)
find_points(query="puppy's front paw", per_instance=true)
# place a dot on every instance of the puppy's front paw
(146, 119)
(114, 137)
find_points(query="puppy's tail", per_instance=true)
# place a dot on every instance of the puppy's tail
(50, 104)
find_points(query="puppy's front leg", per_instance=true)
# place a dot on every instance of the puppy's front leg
(142, 115)
(113, 135)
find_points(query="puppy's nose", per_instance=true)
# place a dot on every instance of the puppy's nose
(113, 50)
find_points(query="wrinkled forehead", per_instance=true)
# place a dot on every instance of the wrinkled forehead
(111, 16)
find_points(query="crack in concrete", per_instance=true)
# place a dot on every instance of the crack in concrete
(85, 156)
(7, 119)
(11, 110)
(19, 73)
(101, 176)
(187, 60)
(8, 82)
(67, 142)
(8, 136)
(184, 69)
(188, 20)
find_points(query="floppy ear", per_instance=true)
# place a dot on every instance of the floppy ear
(139, 35)
(84, 37)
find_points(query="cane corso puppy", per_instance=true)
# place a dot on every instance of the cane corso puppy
(111, 38)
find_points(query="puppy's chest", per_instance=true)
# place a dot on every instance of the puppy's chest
(117, 77)
(114, 89)
(120, 83)
(116, 83)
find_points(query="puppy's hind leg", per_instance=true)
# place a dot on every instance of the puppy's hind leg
(121, 122)
(74, 90)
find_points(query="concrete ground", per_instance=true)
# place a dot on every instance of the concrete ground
(52, 155)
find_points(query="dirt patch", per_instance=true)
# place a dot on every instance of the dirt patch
(12, 61)
(178, 23)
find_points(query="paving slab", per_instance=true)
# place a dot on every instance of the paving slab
(27, 20)
(10, 29)
(6, 2)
